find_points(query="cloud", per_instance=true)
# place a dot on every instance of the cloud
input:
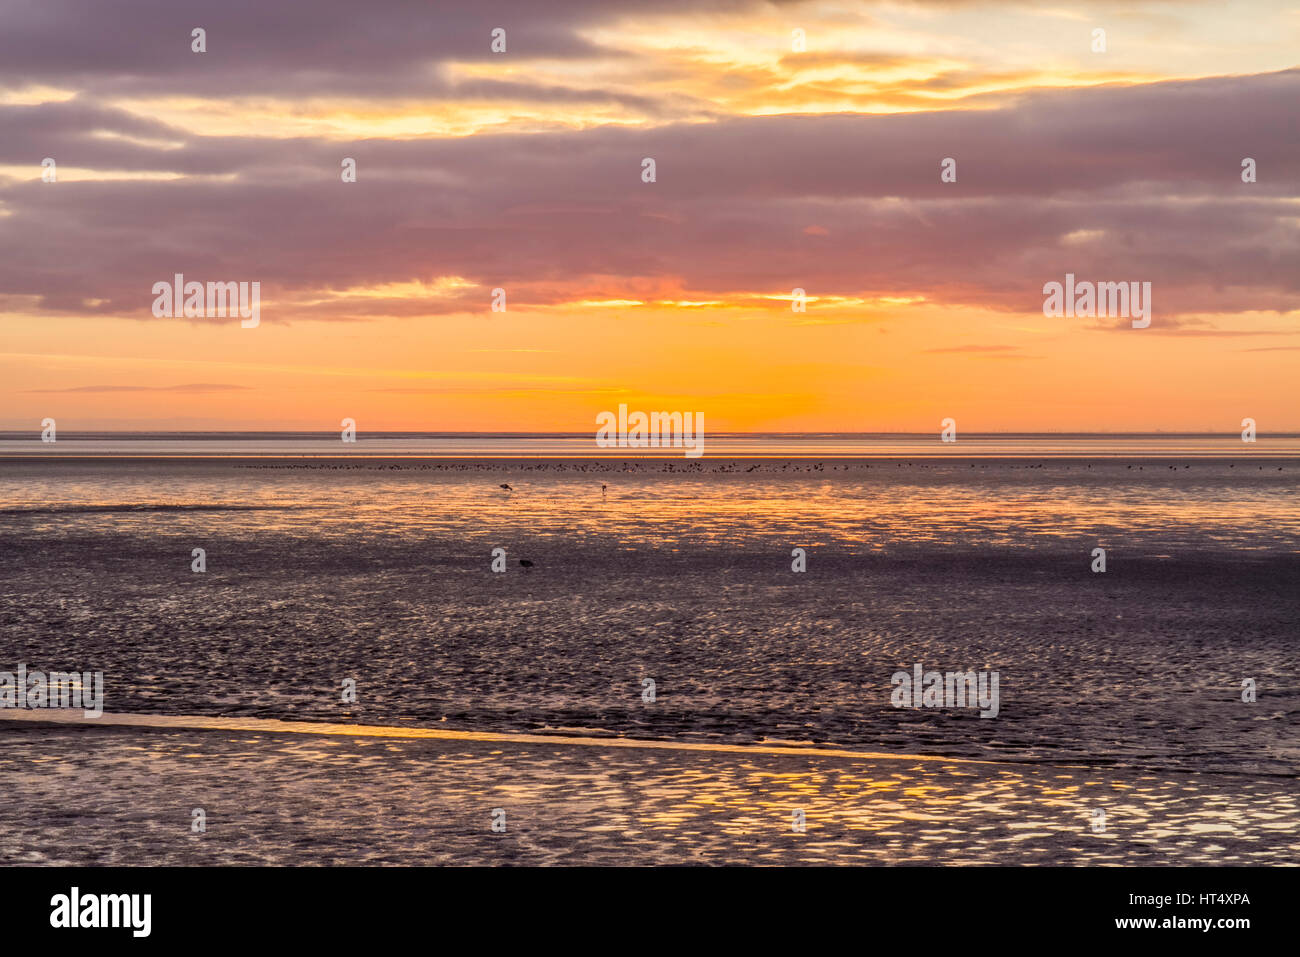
(387, 48)
(1113, 183)
(974, 349)
(194, 388)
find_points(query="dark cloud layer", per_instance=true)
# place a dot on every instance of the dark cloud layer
(326, 47)
(1114, 183)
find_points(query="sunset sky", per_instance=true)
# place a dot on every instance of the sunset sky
(775, 169)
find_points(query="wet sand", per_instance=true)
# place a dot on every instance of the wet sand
(90, 795)
(1120, 690)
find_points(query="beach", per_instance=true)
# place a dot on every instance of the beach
(1120, 691)
(120, 795)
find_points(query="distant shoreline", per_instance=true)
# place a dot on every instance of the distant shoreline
(1261, 457)
(332, 434)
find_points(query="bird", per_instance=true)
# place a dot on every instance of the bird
(525, 563)
(506, 487)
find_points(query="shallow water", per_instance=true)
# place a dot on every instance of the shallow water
(379, 571)
(112, 795)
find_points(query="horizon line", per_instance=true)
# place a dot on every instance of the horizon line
(6, 434)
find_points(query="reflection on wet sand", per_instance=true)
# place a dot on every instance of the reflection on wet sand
(1121, 692)
(204, 722)
(82, 794)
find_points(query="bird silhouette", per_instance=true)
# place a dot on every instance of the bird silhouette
(506, 487)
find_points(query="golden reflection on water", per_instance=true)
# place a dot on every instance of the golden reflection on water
(650, 505)
(587, 799)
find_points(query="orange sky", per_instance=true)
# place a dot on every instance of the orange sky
(776, 168)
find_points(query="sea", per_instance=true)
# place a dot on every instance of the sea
(744, 615)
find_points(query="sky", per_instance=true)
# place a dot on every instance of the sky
(783, 160)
